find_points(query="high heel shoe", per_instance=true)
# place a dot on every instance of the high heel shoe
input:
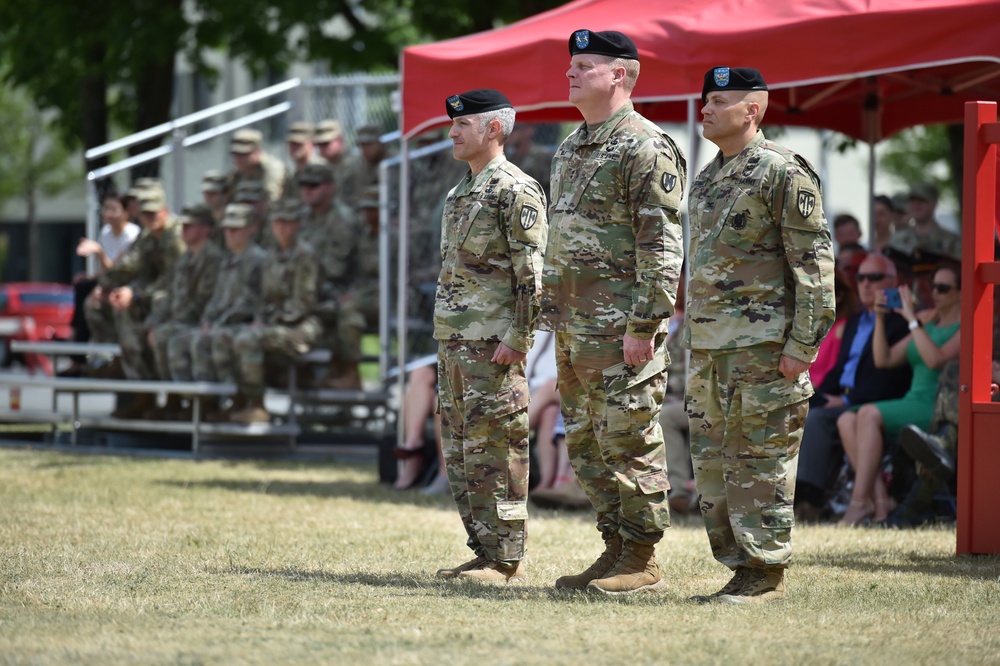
(858, 512)
(883, 508)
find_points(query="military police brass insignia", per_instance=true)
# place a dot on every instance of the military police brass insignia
(528, 217)
(455, 102)
(668, 181)
(807, 203)
(582, 38)
(721, 75)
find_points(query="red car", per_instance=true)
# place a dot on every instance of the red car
(35, 311)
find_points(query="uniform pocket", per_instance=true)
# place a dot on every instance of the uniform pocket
(653, 482)
(581, 185)
(628, 408)
(512, 510)
(744, 223)
(483, 228)
(509, 400)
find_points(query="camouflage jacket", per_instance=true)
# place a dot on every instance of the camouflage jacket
(761, 255)
(237, 289)
(191, 285)
(146, 265)
(492, 246)
(288, 286)
(938, 242)
(615, 240)
(334, 237)
(270, 171)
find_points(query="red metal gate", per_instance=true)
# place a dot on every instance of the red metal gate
(979, 418)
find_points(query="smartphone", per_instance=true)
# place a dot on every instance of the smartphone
(892, 299)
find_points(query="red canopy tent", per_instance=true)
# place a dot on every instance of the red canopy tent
(864, 68)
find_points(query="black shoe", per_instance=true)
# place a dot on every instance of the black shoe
(926, 450)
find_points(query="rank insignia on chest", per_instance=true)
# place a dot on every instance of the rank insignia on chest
(807, 203)
(529, 216)
(669, 181)
(739, 221)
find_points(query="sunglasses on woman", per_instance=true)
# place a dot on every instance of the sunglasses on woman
(942, 288)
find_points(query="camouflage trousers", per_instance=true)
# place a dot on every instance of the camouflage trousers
(213, 355)
(944, 422)
(746, 427)
(613, 433)
(342, 332)
(484, 438)
(273, 343)
(126, 327)
(164, 335)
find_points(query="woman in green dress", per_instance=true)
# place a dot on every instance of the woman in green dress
(932, 342)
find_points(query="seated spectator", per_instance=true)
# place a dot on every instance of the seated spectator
(252, 163)
(849, 257)
(302, 152)
(285, 323)
(116, 235)
(932, 342)
(419, 404)
(829, 349)
(846, 229)
(854, 380)
(884, 222)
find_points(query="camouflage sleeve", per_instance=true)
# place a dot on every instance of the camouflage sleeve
(809, 253)
(525, 224)
(655, 177)
(302, 301)
(126, 267)
(190, 311)
(171, 251)
(248, 302)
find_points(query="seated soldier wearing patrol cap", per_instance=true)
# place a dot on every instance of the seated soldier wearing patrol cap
(760, 301)
(285, 323)
(252, 163)
(302, 151)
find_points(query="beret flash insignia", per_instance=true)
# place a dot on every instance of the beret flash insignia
(455, 102)
(721, 75)
(582, 38)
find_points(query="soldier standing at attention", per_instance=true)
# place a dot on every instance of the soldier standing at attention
(760, 301)
(610, 280)
(492, 244)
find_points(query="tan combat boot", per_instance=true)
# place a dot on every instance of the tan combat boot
(254, 412)
(603, 564)
(474, 563)
(761, 586)
(635, 571)
(734, 585)
(496, 572)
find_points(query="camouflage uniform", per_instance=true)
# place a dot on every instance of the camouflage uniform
(270, 171)
(612, 267)
(761, 287)
(493, 241)
(335, 238)
(209, 357)
(285, 323)
(145, 267)
(193, 282)
(938, 242)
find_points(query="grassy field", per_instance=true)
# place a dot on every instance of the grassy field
(113, 560)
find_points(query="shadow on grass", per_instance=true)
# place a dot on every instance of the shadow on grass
(454, 588)
(366, 491)
(982, 567)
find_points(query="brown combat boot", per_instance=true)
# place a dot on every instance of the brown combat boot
(603, 564)
(141, 403)
(342, 376)
(734, 585)
(474, 563)
(495, 572)
(635, 571)
(761, 586)
(254, 412)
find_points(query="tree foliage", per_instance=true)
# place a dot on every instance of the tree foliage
(113, 63)
(928, 153)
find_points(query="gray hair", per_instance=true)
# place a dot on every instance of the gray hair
(506, 118)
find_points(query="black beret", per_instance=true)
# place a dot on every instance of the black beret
(476, 101)
(732, 78)
(608, 43)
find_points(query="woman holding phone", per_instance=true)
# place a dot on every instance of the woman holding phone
(932, 342)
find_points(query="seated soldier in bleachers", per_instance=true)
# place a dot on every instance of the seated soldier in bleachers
(302, 152)
(215, 194)
(192, 283)
(368, 252)
(205, 352)
(251, 193)
(252, 163)
(285, 324)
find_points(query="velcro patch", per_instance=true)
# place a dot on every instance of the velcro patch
(529, 216)
(806, 202)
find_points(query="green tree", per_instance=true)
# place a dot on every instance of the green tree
(100, 64)
(33, 162)
(928, 153)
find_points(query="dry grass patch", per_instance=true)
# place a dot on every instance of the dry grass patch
(122, 560)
